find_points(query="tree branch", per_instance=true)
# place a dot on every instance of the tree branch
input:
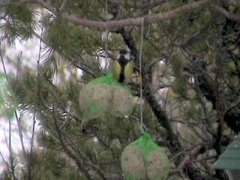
(197, 35)
(154, 3)
(116, 24)
(193, 153)
(226, 14)
(67, 150)
(230, 2)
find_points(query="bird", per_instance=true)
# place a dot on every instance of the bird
(122, 67)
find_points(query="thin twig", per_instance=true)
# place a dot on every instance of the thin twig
(20, 131)
(197, 35)
(31, 163)
(193, 153)
(234, 104)
(66, 148)
(11, 159)
(18, 118)
(4, 160)
(62, 6)
(140, 72)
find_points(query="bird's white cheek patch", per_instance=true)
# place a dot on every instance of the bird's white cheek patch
(118, 56)
(127, 56)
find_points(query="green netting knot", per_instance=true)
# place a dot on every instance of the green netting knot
(107, 79)
(146, 144)
(93, 108)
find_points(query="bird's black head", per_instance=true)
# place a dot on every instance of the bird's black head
(124, 57)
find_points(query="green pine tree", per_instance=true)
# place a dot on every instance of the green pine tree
(189, 52)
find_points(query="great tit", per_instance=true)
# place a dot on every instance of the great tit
(123, 66)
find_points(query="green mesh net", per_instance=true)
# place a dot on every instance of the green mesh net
(107, 79)
(103, 96)
(143, 159)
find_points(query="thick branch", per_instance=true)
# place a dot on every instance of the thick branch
(116, 24)
(226, 14)
(148, 94)
(162, 118)
(230, 2)
(154, 3)
(128, 39)
(150, 19)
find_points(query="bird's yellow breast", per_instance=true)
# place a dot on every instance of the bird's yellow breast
(125, 71)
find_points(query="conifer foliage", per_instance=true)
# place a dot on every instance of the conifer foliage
(190, 83)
